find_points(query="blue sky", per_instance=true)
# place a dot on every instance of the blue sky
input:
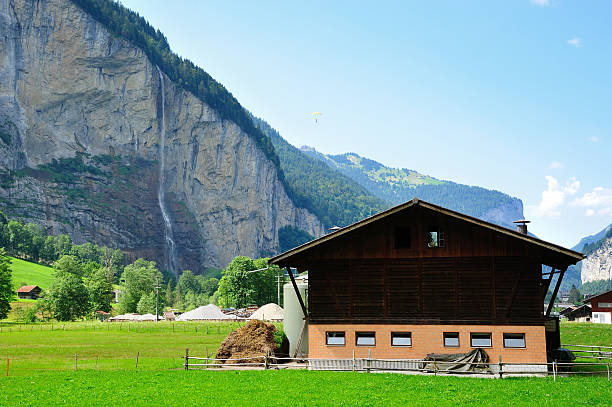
(508, 95)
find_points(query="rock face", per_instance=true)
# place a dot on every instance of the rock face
(598, 264)
(68, 87)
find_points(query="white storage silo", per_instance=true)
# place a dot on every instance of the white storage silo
(294, 324)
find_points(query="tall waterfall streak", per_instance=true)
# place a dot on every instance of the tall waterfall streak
(161, 196)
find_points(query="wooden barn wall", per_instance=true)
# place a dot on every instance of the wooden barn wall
(462, 239)
(473, 290)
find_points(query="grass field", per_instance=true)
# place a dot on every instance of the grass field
(42, 373)
(30, 273)
(103, 346)
(295, 388)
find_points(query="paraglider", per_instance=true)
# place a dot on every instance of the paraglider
(316, 116)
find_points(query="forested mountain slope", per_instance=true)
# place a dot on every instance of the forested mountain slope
(335, 198)
(400, 185)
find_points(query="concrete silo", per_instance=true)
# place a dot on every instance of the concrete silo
(296, 328)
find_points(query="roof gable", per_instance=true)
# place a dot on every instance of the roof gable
(568, 256)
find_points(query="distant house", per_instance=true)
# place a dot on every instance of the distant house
(577, 314)
(30, 292)
(601, 304)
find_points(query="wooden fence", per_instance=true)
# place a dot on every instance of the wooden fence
(415, 366)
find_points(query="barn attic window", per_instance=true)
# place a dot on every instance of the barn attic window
(435, 237)
(402, 238)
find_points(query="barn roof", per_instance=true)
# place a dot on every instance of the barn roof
(27, 288)
(590, 299)
(570, 254)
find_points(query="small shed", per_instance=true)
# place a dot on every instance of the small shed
(31, 292)
(601, 305)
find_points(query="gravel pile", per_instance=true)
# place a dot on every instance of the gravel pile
(208, 312)
(269, 312)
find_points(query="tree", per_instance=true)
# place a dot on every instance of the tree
(137, 279)
(235, 288)
(240, 288)
(188, 282)
(100, 290)
(67, 297)
(6, 285)
(169, 294)
(574, 295)
(69, 264)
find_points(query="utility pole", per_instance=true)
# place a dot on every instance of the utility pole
(156, 298)
(278, 275)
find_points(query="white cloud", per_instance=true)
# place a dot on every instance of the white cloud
(542, 3)
(554, 197)
(576, 42)
(594, 139)
(598, 201)
(555, 165)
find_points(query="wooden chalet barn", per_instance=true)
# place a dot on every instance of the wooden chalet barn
(31, 292)
(601, 305)
(419, 279)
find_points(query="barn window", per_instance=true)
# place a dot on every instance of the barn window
(402, 238)
(604, 304)
(334, 338)
(480, 340)
(514, 340)
(365, 338)
(451, 339)
(401, 338)
(435, 237)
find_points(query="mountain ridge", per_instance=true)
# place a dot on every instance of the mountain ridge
(400, 185)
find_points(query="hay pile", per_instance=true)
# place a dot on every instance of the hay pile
(256, 338)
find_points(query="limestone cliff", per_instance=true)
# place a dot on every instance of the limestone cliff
(598, 264)
(68, 87)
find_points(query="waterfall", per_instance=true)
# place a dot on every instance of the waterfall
(161, 196)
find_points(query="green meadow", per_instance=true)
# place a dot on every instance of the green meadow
(30, 273)
(294, 388)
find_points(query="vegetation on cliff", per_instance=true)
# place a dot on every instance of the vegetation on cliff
(333, 197)
(400, 185)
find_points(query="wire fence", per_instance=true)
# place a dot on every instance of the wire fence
(414, 366)
(600, 353)
(213, 328)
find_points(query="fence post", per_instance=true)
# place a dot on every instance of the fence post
(353, 360)
(75, 361)
(554, 372)
(369, 364)
(206, 350)
(187, 359)
(435, 368)
(608, 367)
(500, 367)
(137, 355)
(7, 365)
(266, 360)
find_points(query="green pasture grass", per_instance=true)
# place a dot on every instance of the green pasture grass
(295, 388)
(586, 333)
(30, 273)
(103, 346)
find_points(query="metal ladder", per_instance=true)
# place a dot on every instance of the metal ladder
(299, 343)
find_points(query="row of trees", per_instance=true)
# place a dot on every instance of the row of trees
(31, 242)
